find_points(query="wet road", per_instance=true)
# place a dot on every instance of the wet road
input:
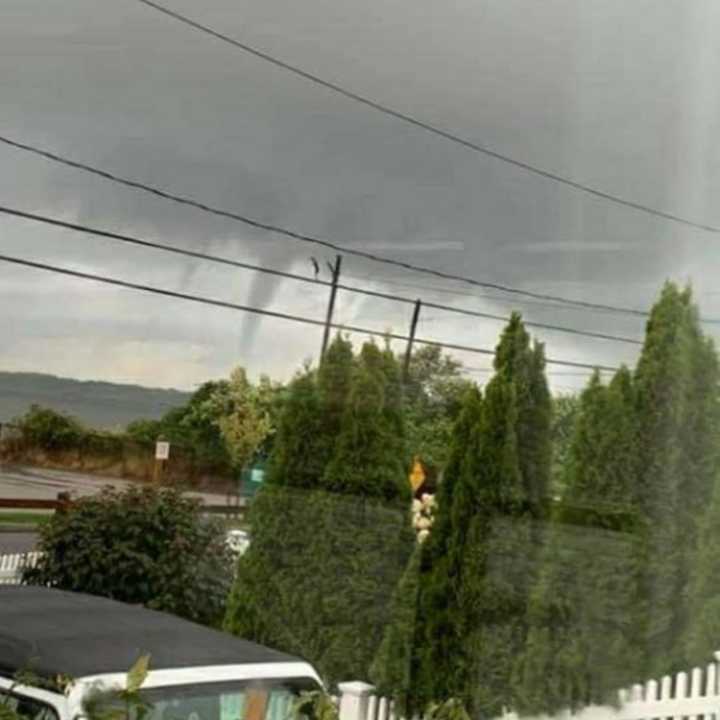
(42, 484)
(17, 542)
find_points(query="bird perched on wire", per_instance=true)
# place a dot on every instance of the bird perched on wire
(316, 267)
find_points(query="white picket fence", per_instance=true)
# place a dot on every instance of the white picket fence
(685, 696)
(12, 566)
(358, 701)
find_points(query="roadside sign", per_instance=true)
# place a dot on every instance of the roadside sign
(252, 478)
(417, 476)
(162, 450)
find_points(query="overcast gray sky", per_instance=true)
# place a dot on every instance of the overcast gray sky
(618, 94)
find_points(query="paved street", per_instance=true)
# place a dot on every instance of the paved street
(41, 484)
(16, 542)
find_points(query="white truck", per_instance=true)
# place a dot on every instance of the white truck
(195, 673)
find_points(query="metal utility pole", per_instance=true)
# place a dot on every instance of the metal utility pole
(411, 340)
(331, 304)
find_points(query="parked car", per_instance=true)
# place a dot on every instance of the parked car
(195, 673)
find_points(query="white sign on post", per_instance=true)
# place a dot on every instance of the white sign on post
(162, 450)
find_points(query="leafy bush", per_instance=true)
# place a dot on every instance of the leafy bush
(141, 545)
(144, 432)
(51, 430)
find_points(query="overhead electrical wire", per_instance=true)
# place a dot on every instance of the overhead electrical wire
(23, 262)
(131, 240)
(446, 290)
(423, 125)
(301, 237)
(564, 373)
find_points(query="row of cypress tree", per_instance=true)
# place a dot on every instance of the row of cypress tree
(519, 601)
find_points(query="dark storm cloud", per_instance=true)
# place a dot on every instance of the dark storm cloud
(619, 95)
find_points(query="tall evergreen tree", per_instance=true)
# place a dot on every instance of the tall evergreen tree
(368, 459)
(524, 365)
(274, 598)
(326, 554)
(391, 671)
(272, 595)
(703, 632)
(438, 638)
(364, 518)
(702, 598)
(584, 613)
(480, 557)
(677, 386)
(334, 379)
(511, 464)
(297, 459)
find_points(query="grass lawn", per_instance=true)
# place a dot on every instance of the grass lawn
(30, 518)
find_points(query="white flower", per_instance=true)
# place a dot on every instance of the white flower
(423, 523)
(423, 535)
(416, 506)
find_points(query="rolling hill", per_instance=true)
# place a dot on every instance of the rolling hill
(96, 404)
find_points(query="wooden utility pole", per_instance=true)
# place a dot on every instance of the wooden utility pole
(411, 340)
(331, 304)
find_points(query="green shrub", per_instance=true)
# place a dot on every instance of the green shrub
(141, 545)
(51, 430)
(144, 432)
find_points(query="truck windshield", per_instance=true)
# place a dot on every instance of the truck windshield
(249, 700)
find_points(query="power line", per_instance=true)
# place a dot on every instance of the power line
(131, 240)
(107, 234)
(564, 373)
(309, 238)
(446, 290)
(385, 109)
(263, 311)
(530, 323)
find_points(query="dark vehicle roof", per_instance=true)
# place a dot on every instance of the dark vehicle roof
(52, 633)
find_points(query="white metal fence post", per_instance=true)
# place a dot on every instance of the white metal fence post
(354, 698)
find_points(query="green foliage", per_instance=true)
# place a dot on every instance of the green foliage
(434, 394)
(319, 575)
(137, 674)
(452, 709)
(9, 713)
(523, 366)
(144, 432)
(315, 705)
(565, 413)
(121, 703)
(50, 430)
(243, 416)
(299, 452)
(194, 427)
(334, 378)
(368, 459)
(140, 545)
(9, 703)
(704, 589)
(508, 465)
(585, 611)
(438, 637)
(391, 671)
(677, 404)
(480, 560)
